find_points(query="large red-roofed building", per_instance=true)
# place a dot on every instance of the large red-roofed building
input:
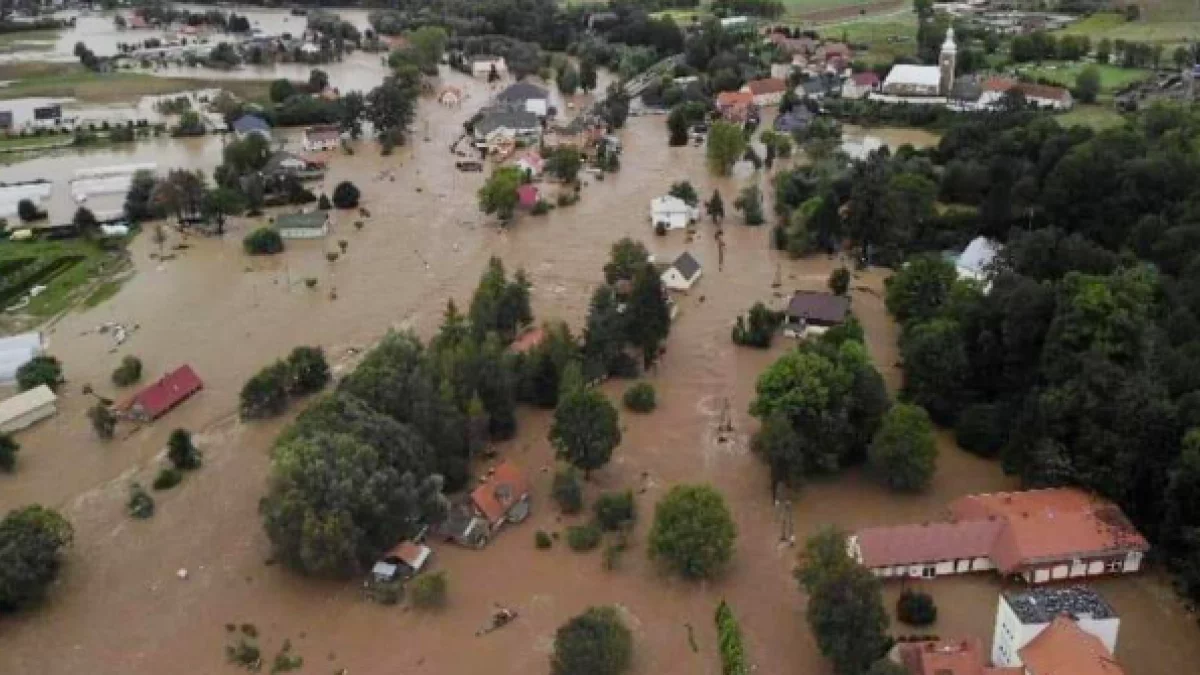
(157, 399)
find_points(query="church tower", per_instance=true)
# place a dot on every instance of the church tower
(946, 63)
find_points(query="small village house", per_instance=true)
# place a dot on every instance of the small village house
(321, 137)
(16, 351)
(672, 213)
(796, 119)
(497, 127)
(161, 397)
(815, 88)
(503, 497)
(583, 133)
(977, 259)
(310, 225)
(27, 408)
(943, 657)
(1040, 95)
(766, 92)
(1055, 630)
(251, 124)
(814, 312)
(861, 85)
(525, 96)
(483, 64)
(1038, 535)
(737, 106)
(404, 561)
(530, 163)
(683, 273)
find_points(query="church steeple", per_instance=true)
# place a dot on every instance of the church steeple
(947, 62)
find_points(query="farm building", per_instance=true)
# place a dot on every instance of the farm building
(251, 124)
(27, 408)
(16, 351)
(1041, 95)
(159, 398)
(311, 225)
(683, 273)
(766, 92)
(525, 96)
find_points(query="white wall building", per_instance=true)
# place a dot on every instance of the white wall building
(672, 212)
(481, 66)
(26, 408)
(683, 273)
(1021, 617)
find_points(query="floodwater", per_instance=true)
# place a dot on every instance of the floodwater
(120, 608)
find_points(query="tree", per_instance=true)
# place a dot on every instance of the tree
(265, 394)
(758, 329)
(749, 202)
(28, 212)
(587, 74)
(42, 369)
(182, 191)
(839, 281)
(564, 163)
(222, 202)
(596, 642)
(281, 90)
(916, 608)
(777, 444)
(567, 491)
(585, 429)
(318, 80)
(648, 318)
(936, 367)
(693, 532)
(1103, 50)
(568, 80)
(1087, 84)
(32, 542)
(715, 207)
(346, 195)
(353, 108)
(684, 190)
(625, 259)
(182, 452)
(920, 288)
(390, 108)
(500, 306)
(499, 194)
(138, 204)
(1180, 57)
(242, 156)
(904, 452)
(427, 45)
(85, 221)
(104, 422)
(8, 453)
(263, 241)
(726, 145)
(128, 372)
(640, 397)
(845, 605)
(429, 590)
(307, 370)
(677, 126)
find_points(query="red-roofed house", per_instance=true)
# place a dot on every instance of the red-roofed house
(504, 497)
(159, 398)
(736, 106)
(528, 195)
(859, 85)
(766, 92)
(1064, 648)
(1041, 535)
(1041, 95)
(946, 657)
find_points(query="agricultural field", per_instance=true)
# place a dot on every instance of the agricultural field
(24, 41)
(70, 270)
(1160, 26)
(1112, 78)
(42, 80)
(886, 37)
(1097, 117)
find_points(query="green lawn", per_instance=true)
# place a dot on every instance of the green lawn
(74, 81)
(886, 37)
(1112, 78)
(1169, 27)
(95, 274)
(1095, 116)
(10, 142)
(32, 40)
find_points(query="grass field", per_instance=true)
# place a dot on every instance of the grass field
(94, 274)
(886, 37)
(1097, 117)
(74, 81)
(22, 41)
(1165, 27)
(9, 143)
(1112, 78)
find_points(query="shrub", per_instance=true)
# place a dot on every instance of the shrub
(542, 540)
(567, 491)
(614, 509)
(128, 372)
(32, 540)
(612, 554)
(641, 397)
(582, 538)
(104, 422)
(916, 608)
(245, 653)
(429, 590)
(167, 478)
(182, 452)
(323, 203)
(39, 370)
(729, 638)
(839, 281)
(596, 642)
(265, 394)
(307, 369)
(27, 211)
(346, 195)
(981, 430)
(388, 592)
(541, 208)
(263, 241)
(693, 531)
(140, 504)
(758, 330)
(8, 453)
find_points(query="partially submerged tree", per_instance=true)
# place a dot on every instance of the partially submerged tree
(32, 542)
(104, 422)
(693, 532)
(346, 195)
(726, 145)
(8, 453)
(499, 194)
(585, 429)
(182, 451)
(904, 452)
(128, 372)
(596, 642)
(42, 369)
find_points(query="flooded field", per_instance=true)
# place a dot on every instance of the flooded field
(120, 608)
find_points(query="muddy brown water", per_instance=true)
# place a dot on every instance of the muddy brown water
(119, 607)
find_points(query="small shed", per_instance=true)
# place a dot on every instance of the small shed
(404, 560)
(463, 527)
(159, 398)
(311, 225)
(528, 196)
(321, 137)
(531, 163)
(683, 273)
(26, 408)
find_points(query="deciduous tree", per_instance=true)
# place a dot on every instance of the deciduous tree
(693, 532)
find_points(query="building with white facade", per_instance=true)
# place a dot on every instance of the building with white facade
(672, 213)
(1043, 629)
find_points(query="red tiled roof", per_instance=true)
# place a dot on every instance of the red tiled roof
(734, 98)
(929, 543)
(168, 392)
(943, 657)
(867, 78)
(836, 49)
(506, 487)
(1063, 648)
(408, 553)
(1030, 89)
(1053, 524)
(770, 85)
(527, 340)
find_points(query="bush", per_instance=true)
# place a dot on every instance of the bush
(612, 553)
(839, 281)
(641, 397)
(729, 638)
(167, 478)
(40, 370)
(758, 330)
(28, 212)
(582, 538)
(141, 504)
(346, 195)
(323, 203)
(693, 532)
(981, 430)
(614, 509)
(916, 608)
(8, 453)
(128, 372)
(567, 491)
(542, 540)
(308, 372)
(596, 642)
(541, 208)
(265, 394)
(182, 452)
(104, 422)
(263, 241)
(32, 540)
(429, 591)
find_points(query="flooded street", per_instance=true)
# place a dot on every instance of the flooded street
(119, 607)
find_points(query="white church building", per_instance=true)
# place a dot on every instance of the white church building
(922, 84)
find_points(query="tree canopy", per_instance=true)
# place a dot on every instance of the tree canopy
(596, 642)
(903, 453)
(693, 532)
(32, 542)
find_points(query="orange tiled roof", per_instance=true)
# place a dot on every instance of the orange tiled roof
(943, 657)
(734, 98)
(770, 85)
(1028, 88)
(506, 487)
(1063, 648)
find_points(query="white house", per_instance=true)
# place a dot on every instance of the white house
(976, 259)
(860, 85)
(483, 64)
(672, 212)
(26, 408)
(321, 137)
(1022, 620)
(683, 273)
(311, 225)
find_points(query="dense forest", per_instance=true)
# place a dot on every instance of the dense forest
(1078, 361)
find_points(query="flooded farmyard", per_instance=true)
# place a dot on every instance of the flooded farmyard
(120, 606)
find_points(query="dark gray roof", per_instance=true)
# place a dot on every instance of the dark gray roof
(687, 265)
(1042, 605)
(815, 85)
(511, 119)
(522, 91)
(793, 120)
(819, 308)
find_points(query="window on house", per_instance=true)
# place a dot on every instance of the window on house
(1114, 566)
(928, 572)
